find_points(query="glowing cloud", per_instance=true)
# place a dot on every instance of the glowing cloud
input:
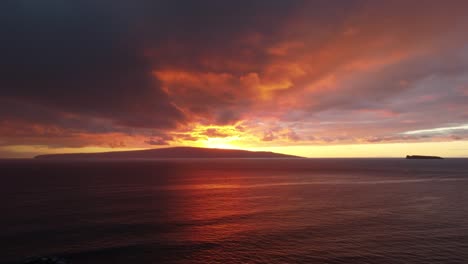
(265, 74)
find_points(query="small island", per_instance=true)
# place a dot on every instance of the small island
(422, 157)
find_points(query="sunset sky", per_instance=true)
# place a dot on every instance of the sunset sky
(311, 78)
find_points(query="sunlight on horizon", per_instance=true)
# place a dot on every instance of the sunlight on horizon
(395, 150)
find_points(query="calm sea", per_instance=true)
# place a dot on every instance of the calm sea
(235, 211)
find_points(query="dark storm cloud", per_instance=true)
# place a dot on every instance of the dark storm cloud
(95, 58)
(184, 34)
(79, 57)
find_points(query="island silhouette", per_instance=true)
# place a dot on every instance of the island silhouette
(422, 157)
(170, 153)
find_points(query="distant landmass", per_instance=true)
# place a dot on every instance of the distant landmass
(422, 157)
(170, 153)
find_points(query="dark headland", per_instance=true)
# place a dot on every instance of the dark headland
(170, 153)
(422, 157)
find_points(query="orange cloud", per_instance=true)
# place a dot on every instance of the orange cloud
(273, 74)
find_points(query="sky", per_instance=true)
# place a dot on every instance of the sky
(328, 78)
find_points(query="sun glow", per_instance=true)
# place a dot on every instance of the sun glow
(209, 136)
(220, 143)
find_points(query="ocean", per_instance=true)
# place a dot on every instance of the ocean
(235, 211)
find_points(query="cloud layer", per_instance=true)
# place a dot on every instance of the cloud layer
(254, 73)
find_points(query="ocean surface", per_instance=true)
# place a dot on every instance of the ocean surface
(235, 211)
